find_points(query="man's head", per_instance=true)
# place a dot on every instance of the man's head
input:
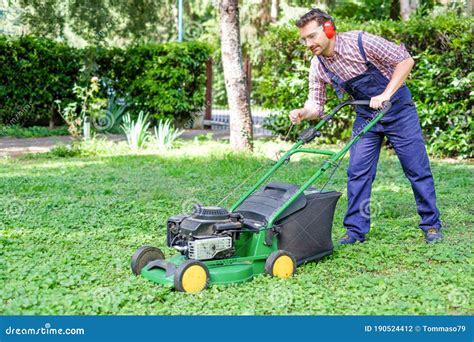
(316, 31)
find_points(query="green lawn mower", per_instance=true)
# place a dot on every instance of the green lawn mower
(271, 229)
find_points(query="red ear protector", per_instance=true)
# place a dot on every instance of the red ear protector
(329, 29)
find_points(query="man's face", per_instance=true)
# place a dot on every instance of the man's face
(314, 37)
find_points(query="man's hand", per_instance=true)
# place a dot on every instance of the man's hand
(297, 115)
(399, 76)
(376, 102)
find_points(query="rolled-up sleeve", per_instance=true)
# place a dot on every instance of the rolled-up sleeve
(383, 51)
(317, 90)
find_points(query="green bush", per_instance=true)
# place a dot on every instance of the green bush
(34, 73)
(172, 84)
(440, 81)
(165, 80)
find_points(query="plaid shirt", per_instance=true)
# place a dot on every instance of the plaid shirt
(347, 63)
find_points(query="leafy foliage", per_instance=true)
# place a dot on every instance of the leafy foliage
(136, 131)
(172, 79)
(88, 148)
(89, 105)
(101, 22)
(31, 132)
(166, 134)
(441, 81)
(167, 80)
(34, 73)
(85, 217)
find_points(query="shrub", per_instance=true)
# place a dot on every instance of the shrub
(86, 148)
(34, 73)
(165, 79)
(166, 134)
(136, 131)
(90, 105)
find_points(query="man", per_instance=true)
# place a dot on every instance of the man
(369, 67)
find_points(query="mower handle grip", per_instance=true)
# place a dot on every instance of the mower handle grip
(386, 106)
(312, 132)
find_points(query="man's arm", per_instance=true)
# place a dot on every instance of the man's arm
(400, 74)
(314, 106)
(383, 52)
(311, 111)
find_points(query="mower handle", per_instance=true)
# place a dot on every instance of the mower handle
(386, 106)
(306, 136)
(310, 133)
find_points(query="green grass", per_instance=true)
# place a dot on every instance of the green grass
(68, 227)
(31, 132)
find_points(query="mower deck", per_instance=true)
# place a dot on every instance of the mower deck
(235, 272)
(237, 269)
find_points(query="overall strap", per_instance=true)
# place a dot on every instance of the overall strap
(337, 82)
(361, 47)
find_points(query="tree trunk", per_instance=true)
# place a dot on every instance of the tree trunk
(407, 7)
(235, 83)
(275, 9)
(413, 6)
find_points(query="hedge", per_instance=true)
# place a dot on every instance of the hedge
(441, 81)
(34, 73)
(165, 80)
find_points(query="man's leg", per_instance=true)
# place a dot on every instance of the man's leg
(404, 133)
(364, 156)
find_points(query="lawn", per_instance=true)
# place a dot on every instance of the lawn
(68, 227)
(31, 132)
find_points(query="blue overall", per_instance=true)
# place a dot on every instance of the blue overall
(402, 128)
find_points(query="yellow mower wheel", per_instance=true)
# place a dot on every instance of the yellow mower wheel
(280, 264)
(192, 276)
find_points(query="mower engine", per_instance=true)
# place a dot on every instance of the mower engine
(208, 233)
